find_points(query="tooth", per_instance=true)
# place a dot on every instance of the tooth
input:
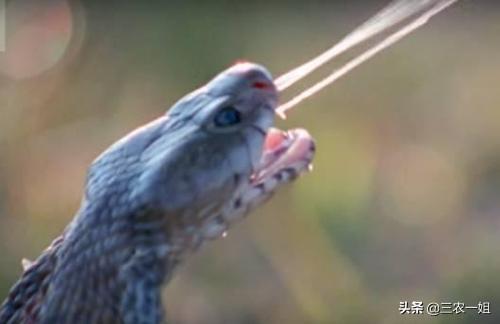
(310, 167)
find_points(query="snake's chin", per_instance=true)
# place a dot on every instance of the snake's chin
(285, 152)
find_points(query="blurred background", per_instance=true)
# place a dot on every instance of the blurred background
(403, 203)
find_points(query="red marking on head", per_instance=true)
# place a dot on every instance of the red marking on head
(261, 85)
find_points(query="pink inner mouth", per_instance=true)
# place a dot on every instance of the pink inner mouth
(293, 149)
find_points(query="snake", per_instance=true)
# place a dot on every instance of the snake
(156, 196)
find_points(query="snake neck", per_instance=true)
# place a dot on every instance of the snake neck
(104, 264)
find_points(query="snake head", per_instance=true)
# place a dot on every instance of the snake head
(233, 158)
(211, 159)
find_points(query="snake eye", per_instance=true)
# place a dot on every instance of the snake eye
(227, 117)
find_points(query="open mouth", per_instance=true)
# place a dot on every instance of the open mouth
(285, 153)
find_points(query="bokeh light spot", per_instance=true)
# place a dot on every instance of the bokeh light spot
(38, 36)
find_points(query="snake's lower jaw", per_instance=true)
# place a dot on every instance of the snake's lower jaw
(285, 156)
(285, 153)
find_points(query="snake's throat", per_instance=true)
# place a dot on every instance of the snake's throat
(291, 151)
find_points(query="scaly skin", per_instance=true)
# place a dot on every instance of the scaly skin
(156, 195)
